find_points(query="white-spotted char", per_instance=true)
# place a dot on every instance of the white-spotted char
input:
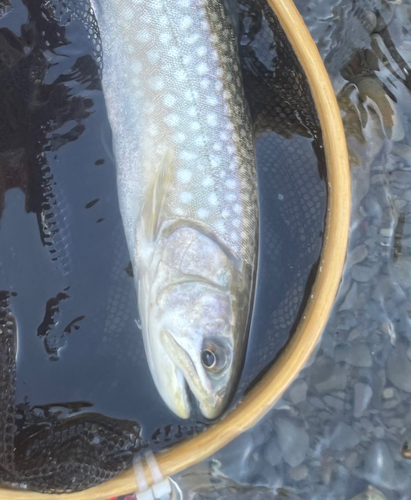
(187, 189)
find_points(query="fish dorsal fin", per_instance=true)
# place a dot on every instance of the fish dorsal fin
(154, 197)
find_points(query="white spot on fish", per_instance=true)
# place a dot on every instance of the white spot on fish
(203, 213)
(187, 59)
(202, 51)
(186, 197)
(169, 100)
(200, 141)
(180, 75)
(156, 83)
(205, 83)
(188, 96)
(231, 183)
(165, 38)
(150, 108)
(215, 161)
(172, 120)
(136, 67)
(186, 22)
(225, 214)
(127, 13)
(153, 130)
(188, 156)
(179, 137)
(192, 111)
(207, 181)
(217, 146)
(173, 51)
(192, 39)
(219, 226)
(212, 119)
(212, 100)
(236, 223)
(195, 126)
(162, 20)
(202, 68)
(184, 175)
(237, 208)
(230, 197)
(212, 199)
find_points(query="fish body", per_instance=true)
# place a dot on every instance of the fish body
(187, 189)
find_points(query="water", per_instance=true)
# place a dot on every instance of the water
(64, 262)
(343, 428)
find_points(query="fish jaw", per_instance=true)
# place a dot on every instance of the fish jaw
(212, 402)
(192, 303)
(170, 382)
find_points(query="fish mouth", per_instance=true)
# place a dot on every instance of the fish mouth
(211, 403)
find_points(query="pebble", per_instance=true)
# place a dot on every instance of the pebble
(354, 334)
(370, 494)
(362, 397)
(400, 178)
(299, 473)
(298, 391)
(369, 20)
(293, 440)
(388, 393)
(351, 460)
(344, 437)
(330, 377)
(357, 255)
(379, 466)
(350, 298)
(333, 402)
(272, 452)
(362, 273)
(399, 370)
(354, 354)
(379, 432)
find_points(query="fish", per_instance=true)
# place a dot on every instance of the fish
(187, 190)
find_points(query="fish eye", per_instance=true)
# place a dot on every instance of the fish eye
(208, 358)
(214, 357)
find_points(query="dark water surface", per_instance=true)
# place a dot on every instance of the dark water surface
(64, 265)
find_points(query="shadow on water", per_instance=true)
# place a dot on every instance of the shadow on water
(68, 306)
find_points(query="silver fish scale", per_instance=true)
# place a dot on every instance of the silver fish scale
(173, 83)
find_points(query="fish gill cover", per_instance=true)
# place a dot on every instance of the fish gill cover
(76, 398)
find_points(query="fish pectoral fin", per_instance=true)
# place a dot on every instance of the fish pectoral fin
(154, 197)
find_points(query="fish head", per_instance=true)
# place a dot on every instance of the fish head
(199, 340)
(197, 330)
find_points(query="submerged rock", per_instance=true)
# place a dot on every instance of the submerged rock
(362, 397)
(293, 440)
(399, 370)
